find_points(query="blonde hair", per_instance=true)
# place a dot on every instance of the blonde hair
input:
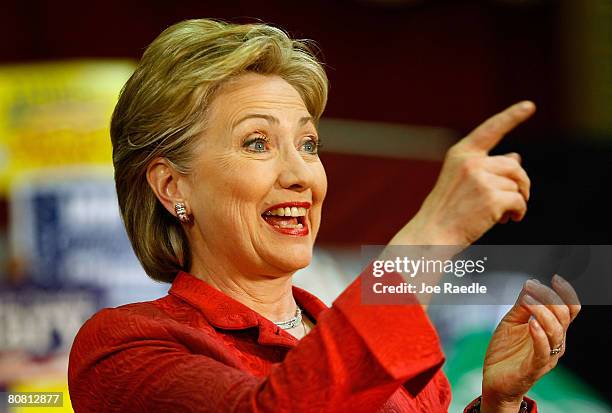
(161, 113)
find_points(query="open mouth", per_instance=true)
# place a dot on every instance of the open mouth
(288, 218)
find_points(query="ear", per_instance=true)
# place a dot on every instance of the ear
(168, 185)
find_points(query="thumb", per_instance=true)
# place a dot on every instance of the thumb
(518, 314)
(490, 132)
(514, 155)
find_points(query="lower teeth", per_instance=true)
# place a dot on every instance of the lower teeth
(292, 226)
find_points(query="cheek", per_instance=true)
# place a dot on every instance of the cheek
(320, 183)
(250, 183)
(241, 187)
(319, 190)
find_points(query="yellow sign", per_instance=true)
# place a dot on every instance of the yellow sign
(42, 385)
(57, 114)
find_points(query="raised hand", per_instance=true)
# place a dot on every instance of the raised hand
(527, 343)
(474, 190)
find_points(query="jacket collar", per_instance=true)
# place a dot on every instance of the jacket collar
(224, 312)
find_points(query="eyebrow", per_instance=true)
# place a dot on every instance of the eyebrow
(271, 119)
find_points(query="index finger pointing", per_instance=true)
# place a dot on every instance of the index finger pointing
(488, 134)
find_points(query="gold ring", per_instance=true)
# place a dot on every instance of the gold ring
(557, 349)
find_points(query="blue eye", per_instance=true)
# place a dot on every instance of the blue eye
(258, 144)
(311, 146)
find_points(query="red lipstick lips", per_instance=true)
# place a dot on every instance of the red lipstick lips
(286, 224)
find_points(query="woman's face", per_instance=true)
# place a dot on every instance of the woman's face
(258, 184)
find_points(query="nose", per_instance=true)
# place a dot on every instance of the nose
(295, 174)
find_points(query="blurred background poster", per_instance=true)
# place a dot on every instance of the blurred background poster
(408, 78)
(65, 253)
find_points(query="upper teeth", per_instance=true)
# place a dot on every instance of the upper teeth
(288, 212)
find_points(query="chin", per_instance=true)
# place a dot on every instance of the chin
(291, 261)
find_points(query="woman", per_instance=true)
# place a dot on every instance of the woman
(221, 189)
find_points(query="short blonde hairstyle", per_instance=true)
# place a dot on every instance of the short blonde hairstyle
(161, 113)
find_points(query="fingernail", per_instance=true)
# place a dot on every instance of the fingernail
(525, 106)
(532, 284)
(557, 278)
(536, 324)
(529, 300)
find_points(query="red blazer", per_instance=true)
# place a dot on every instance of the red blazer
(198, 350)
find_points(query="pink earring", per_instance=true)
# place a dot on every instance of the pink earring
(181, 212)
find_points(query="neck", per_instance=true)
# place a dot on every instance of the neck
(272, 297)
